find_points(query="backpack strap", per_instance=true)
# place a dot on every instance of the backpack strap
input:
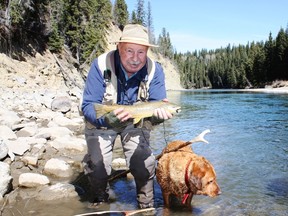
(143, 92)
(107, 67)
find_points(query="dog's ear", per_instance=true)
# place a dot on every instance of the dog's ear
(195, 184)
(196, 176)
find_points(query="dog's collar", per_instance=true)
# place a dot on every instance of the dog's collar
(186, 195)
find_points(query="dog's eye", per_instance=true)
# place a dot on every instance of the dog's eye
(210, 182)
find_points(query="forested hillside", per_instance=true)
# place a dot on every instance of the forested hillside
(80, 26)
(243, 66)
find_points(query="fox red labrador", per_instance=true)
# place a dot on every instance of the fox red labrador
(183, 173)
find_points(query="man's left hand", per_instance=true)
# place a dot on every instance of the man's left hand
(162, 114)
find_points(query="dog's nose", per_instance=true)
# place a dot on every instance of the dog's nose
(219, 192)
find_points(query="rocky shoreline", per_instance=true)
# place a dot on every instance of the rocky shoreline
(42, 142)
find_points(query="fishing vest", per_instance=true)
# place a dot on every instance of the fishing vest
(107, 67)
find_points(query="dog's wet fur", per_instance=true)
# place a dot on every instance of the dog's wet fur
(183, 173)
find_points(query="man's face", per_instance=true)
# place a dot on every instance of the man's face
(133, 56)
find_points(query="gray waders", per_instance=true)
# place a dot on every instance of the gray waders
(139, 159)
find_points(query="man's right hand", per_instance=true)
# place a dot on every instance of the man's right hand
(118, 118)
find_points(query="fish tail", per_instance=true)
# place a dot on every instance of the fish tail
(100, 110)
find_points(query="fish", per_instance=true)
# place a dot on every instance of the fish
(138, 110)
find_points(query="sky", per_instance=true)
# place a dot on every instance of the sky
(211, 24)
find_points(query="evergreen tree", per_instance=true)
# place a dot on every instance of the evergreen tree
(85, 27)
(165, 45)
(150, 24)
(55, 42)
(98, 19)
(56, 38)
(133, 18)
(120, 13)
(24, 25)
(140, 13)
(73, 27)
(269, 48)
(280, 51)
(82, 26)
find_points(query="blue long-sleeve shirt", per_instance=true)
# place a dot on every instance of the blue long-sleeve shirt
(127, 89)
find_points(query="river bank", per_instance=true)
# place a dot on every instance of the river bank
(278, 86)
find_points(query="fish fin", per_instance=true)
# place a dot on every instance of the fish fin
(136, 120)
(100, 110)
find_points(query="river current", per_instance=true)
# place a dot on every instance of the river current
(248, 147)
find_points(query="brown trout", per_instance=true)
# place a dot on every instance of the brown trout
(139, 110)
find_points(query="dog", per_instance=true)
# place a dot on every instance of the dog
(183, 173)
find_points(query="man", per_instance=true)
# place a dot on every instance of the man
(123, 76)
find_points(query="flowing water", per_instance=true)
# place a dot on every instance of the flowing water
(248, 147)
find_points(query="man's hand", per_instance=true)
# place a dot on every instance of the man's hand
(161, 113)
(122, 114)
(118, 118)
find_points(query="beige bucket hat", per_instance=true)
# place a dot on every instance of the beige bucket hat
(135, 33)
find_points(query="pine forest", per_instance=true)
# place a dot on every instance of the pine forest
(80, 26)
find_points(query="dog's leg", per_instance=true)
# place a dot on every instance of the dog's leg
(166, 196)
(166, 211)
(188, 203)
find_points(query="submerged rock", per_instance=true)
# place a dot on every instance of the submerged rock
(57, 191)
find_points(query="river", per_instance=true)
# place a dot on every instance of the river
(248, 147)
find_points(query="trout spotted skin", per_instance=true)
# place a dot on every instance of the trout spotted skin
(139, 110)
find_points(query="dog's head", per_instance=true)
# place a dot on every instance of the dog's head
(202, 178)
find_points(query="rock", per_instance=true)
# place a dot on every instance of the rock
(6, 133)
(8, 117)
(32, 180)
(76, 92)
(20, 80)
(69, 143)
(27, 132)
(62, 104)
(119, 164)
(53, 132)
(3, 149)
(66, 122)
(57, 191)
(30, 160)
(17, 147)
(23, 125)
(5, 178)
(45, 114)
(32, 140)
(58, 168)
